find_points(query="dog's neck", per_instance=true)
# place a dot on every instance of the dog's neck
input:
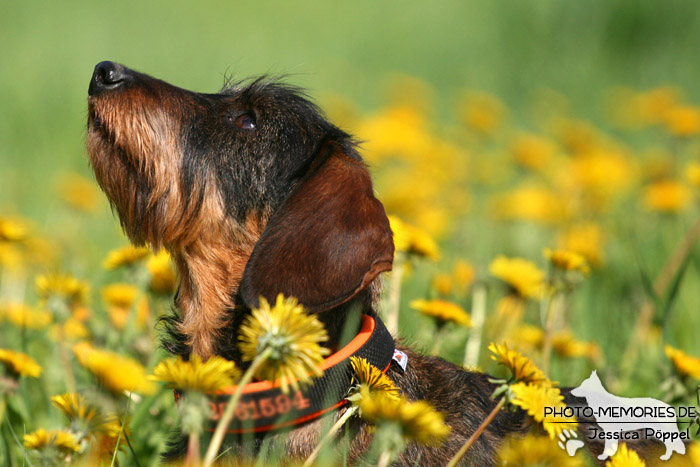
(210, 271)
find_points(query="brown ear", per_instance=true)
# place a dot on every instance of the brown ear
(326, 243)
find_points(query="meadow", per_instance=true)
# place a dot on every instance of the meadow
(539, 164)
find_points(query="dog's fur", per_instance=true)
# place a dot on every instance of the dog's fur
(254, 193)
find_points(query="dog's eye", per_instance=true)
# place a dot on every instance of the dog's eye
(246, 121)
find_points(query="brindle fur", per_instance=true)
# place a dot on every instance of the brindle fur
(286, 206)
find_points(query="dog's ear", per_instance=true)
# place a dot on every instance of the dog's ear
(328, 241)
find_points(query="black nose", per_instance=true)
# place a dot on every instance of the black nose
(107, 75)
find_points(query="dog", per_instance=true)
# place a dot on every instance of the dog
(254, 193)
(598, 399)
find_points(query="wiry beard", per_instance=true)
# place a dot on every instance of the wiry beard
(136, 153)
(137, 157)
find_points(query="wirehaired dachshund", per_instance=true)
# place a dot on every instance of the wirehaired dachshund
(254, 192)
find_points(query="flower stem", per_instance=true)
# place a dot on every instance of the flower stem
(121, 432)
(489, 418)
(384, 459)
(226, 418)
(471, 352)
(392, 320)
(193, 457)
(553, 307)
(330, 435)
(435, 351)
(69, 377)
(3, 404)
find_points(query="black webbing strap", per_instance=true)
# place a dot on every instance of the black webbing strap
(264, 407)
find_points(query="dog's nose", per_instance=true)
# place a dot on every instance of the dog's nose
(107, 75)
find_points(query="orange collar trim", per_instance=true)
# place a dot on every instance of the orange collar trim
(263, 407)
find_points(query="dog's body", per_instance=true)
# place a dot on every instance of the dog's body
(254, 193)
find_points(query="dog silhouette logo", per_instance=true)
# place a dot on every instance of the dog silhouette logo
(623, 418)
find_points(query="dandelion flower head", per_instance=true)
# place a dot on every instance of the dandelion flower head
(20, 363)
(196, 375)
(290, 337)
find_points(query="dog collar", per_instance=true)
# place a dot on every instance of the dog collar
(263, 407)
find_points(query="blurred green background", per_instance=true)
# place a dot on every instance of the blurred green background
(511, 49)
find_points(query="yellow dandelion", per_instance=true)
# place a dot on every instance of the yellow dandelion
(407, 192)
(463, 273)
(196, 375)
(520, 366)
(396, 131)
(19, 363)
(41, 252)
(625, 457)
(119, 295)
(119, 299)
(102, 451)
(62, 290)
(443, 311)
(510, 309)
(685, 364)
(81, 313)
(163, 280)
(567, 345)
(372, 379)
(657, 163)
(531, 203)
(584, 239)
(601, 172)
(654, 104)
(62, 440)
(413, 240)
(120, 316)
(577, 136)
(536, 451)
(482, 112)
(116, 372)
(692, 173)
(534, 399)
(526, 337)
(521, 275)
(667, 196)
(533, 152)
(442, 284)
(125, 256)
(13, 230)
(683, 121)
(291, 339)
(417, 420)
(11, 256)
(567, 260)
(79, 192)
(84, 417)
(694, 452)
(24, 316)
(422, 243)
(72, 329)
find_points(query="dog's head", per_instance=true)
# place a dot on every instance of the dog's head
(254, 164)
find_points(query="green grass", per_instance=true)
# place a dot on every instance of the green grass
(511, 49)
